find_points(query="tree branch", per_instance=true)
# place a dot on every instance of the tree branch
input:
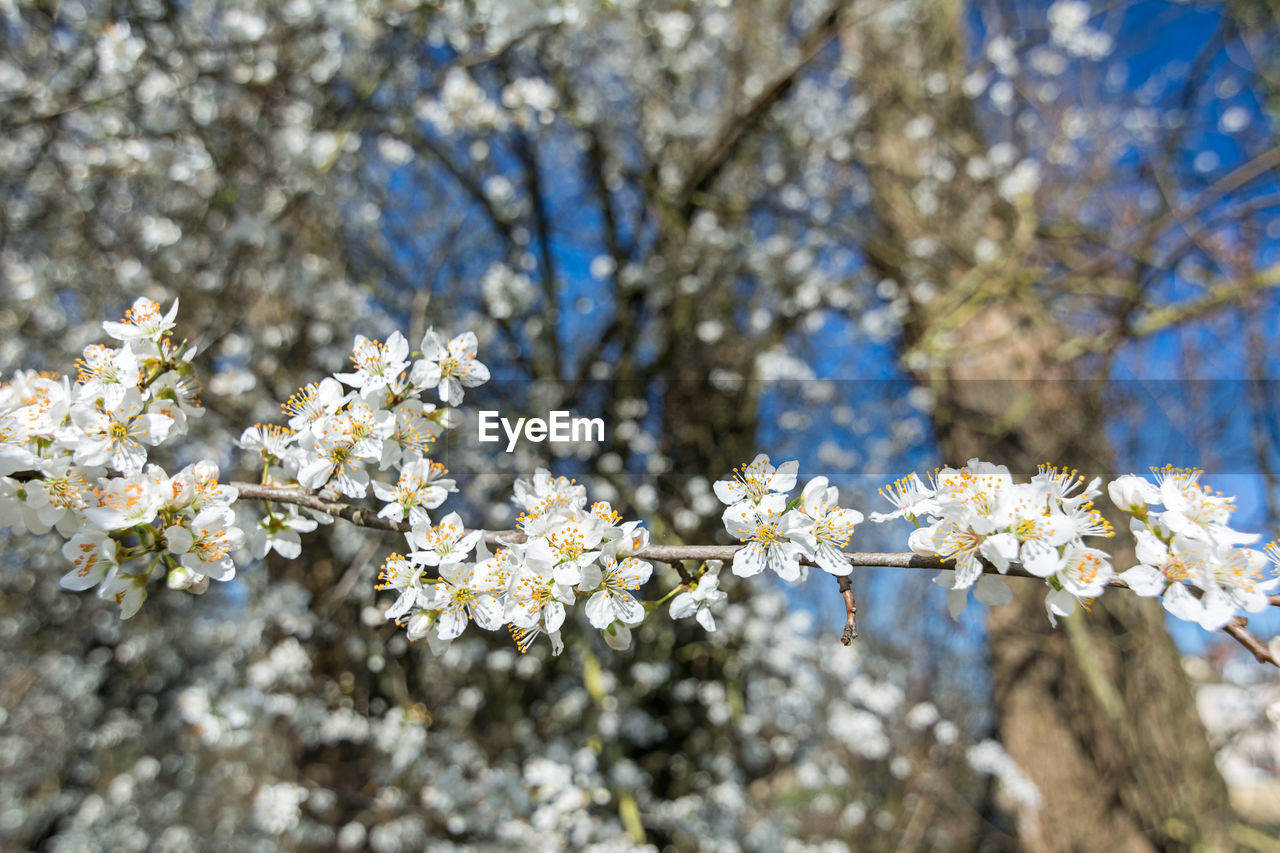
(719, 150)
(1218, 296)
(850, 609)
(1236, 629)
(674, 554)
(1229, 183)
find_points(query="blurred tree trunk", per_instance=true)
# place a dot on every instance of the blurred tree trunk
(1097, 712)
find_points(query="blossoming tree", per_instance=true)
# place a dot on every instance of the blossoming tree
(749, 176)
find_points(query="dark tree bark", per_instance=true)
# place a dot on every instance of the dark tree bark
(1097, 712)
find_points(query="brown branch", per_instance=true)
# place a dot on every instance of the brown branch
(1218, 296)
(298, 497)
(674, 554)
(1243, 174)
(850, 609)
(719, 150)
(670, 554)
(1236, 628)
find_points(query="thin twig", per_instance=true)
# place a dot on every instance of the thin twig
(299, 497)
(1236, 628)
(850, 609)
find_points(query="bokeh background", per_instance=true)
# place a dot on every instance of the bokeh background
(874, 236)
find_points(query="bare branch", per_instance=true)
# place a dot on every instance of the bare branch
(719, 150)
(1246, 172)
(1236, 628)
(850, 609)
(1218, 297)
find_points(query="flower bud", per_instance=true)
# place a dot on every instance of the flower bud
(1132, 493)
(180, 577)
(617, 637)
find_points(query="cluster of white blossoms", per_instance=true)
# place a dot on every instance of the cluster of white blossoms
(778, 530)
(73, 458)
(978, 513)
(569, 551)
(373, 417)
(1187, 553)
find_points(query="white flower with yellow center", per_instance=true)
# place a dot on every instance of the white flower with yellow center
(274, 444)
(378, 365)
(752, 482)
(821, 527)
(954, 539)
(124, 502)
(536, 600)
(613, 582)
(465, 591)
(102, 366)
(39, 401)
(1196, 511)
(200, 487)
(1084, 575)
(760, 526)
(422, 486)
(910, 497)
(333, 461)
(412, 433)
(361, 427)
(543, 491)
(405, 578)
(567, 548)
(1239, 572)
(314, 403)
(143, 322)
(205, 547)
(973, 489)
(58, 497)
(1066, 487)
(546, 515)
(449, 367)
(976, 488)
(1030, 530)
(92, 555)
(443, 544)
(115, 432)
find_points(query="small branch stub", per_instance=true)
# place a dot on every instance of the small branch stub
(850, 609)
